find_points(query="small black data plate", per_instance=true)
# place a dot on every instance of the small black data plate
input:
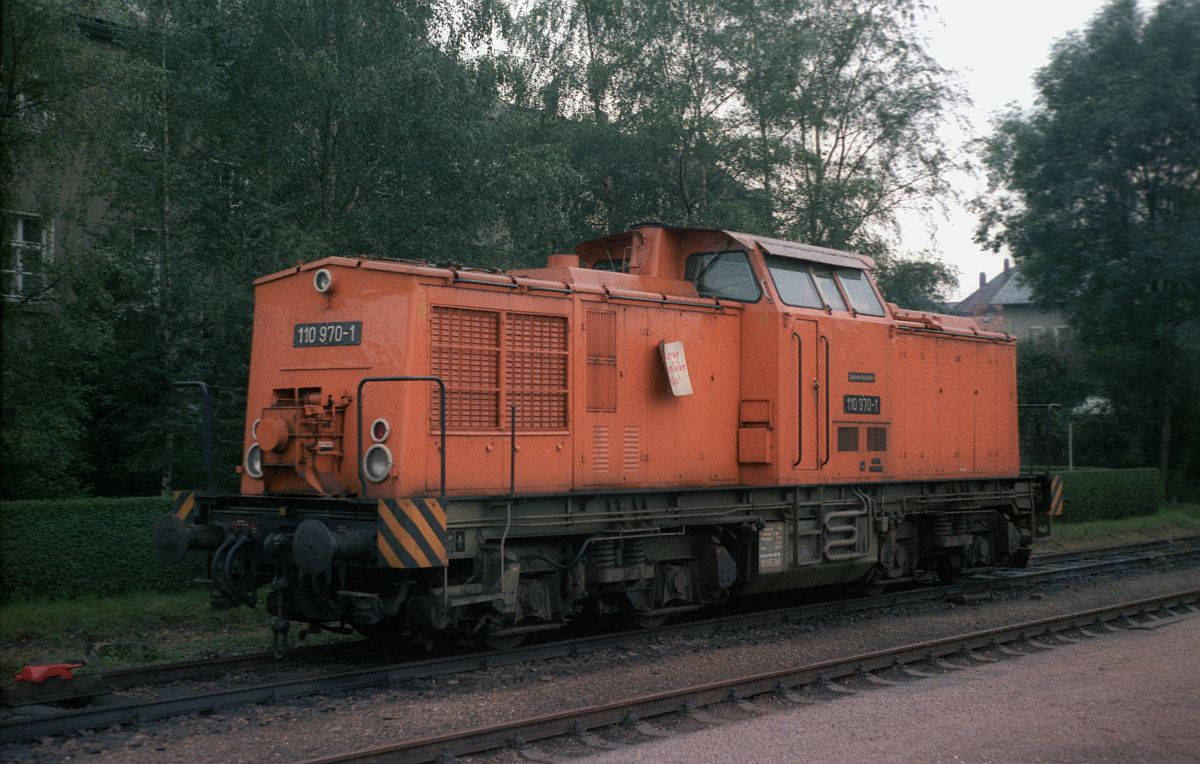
(327, 334)
(861, 404)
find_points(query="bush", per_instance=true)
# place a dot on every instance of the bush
(1110, 494)
(56, 548)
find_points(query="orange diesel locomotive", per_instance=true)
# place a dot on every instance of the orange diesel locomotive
(665, 418)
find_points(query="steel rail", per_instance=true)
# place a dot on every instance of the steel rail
(210, 668)
(20, 727)
(579, 721)
(215, 667)
(1144, 546)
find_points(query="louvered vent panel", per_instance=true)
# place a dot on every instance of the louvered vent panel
(601, 360)
(465, 353)
(536, 370)
(600, 462)
(547, 334)
(463, 326)
(602, 387)
(470, 410)
(601, 334)
(631, 453)
(467, 367)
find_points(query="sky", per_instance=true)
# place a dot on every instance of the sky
(995, 48)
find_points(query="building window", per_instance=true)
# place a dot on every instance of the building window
(1035, 332)
(26, 250)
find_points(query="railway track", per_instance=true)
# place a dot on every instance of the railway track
(798, 685)
(352, 666)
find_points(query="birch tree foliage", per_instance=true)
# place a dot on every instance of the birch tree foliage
(817, 120)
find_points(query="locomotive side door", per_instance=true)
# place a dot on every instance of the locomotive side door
(807, 391)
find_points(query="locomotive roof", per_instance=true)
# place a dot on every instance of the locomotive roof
(780, 247)
(800, 251)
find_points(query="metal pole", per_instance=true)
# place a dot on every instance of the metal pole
(512, 460)
(1070, 445)
(207, 425)
(512, 482)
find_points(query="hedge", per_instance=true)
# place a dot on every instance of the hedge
(1109, 494)
(57, 548)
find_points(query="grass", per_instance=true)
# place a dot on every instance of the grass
(1171, 521)
(134, 629)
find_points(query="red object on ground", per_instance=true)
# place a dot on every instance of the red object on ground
(39, 674)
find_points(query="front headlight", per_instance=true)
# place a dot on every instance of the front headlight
(254, 461)
(377, 462)
(323, 281)
(380, 429)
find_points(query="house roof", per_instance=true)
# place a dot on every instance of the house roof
(1007, 288)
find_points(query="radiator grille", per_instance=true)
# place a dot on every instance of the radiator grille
(463, 326)
(465, 352)
(545, 334)
(537, 370)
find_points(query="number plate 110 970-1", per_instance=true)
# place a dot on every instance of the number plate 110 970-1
(326, 334)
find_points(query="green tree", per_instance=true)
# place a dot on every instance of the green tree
(1097, 193)
(235, 139)
(816, 120)
(844, 107)
(918, 283)
(55, 67)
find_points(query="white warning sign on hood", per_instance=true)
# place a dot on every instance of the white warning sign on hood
(675, 363)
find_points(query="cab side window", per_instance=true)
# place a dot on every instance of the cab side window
(794, 283)
(726, 275)
(859, 290)
(828, 287)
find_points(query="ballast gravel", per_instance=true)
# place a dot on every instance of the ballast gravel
(336, 724)
(1132, 695)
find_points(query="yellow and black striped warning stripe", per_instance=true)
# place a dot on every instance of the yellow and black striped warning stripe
(183, 503)
(1056, 495)
(412, 533)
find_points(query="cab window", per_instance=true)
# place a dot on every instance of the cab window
(859, 290)
(726, 275)
(619, 266)
(794, 283)
(828, 287)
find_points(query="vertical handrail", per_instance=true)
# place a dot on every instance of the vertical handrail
(207, 424)
(512, 481)
(362, 470)
(512, 456)
(827, 446)
(799, 399)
